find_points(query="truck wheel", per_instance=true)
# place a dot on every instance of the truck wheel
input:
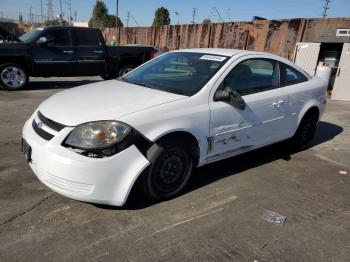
(108, 77)
(170, 169)
(126, 69)
(13, 77)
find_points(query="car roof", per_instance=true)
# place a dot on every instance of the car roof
(214, 51)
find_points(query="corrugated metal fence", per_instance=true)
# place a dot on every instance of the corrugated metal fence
(275, 36)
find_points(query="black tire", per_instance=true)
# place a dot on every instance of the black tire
(170, 169)
(126, 69)
(13, 77)
(305, 132)
(108, 77)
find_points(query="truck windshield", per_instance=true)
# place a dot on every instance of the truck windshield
(31, 35)
(183, 73)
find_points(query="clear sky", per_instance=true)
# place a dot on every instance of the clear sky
(143, 10)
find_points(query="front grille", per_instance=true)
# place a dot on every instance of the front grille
(41, 132)
(40, 120)
(50, 123)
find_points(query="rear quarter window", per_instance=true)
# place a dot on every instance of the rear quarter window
(87, 37)
(291, 76)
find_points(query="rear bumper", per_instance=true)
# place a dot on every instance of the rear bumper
(105, 180)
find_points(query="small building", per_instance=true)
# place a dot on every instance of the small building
(332, 49)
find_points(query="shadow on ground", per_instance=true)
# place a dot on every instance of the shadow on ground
(213, 172)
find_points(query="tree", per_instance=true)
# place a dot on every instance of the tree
(101, 18)
(161, 17)
(206, 21)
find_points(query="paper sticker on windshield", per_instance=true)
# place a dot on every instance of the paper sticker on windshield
(213, 58)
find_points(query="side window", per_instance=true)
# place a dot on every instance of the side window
(253, 76)
(58, 37)
(291, 76)
(87, 37)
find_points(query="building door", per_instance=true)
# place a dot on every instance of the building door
(306, 56)
(341, 89)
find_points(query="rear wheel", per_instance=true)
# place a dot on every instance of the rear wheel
(305, 132)
(13, 77)
(170, 170)
(126, 69)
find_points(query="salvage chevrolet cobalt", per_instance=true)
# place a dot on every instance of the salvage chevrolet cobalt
(152, 126)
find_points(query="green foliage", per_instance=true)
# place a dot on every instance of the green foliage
(161, 17)
(206, 21)
(100, 17)
(51, 22)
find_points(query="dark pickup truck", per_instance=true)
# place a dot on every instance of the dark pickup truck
(66, 51)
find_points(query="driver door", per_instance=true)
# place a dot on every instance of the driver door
(57, 56)
(265, 117)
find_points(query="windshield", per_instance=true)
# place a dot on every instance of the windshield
(183, 73)
(31, 35)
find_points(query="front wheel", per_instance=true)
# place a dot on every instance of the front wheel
(13, 77)
(170, 170)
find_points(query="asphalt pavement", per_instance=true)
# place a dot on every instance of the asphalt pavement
(217, 218)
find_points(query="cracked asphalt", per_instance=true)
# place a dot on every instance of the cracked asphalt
(218, 218)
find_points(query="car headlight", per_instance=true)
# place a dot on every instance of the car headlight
(97, 135)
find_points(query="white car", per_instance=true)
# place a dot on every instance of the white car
(181, 110)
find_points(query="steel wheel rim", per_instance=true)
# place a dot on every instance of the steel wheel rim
(13, 77)
(127, 70)
(170, 172)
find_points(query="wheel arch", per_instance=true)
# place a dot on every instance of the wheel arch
(310, 108)
(183, 136)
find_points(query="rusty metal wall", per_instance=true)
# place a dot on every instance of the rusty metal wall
(275, 36)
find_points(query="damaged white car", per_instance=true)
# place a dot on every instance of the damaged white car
(179, 111)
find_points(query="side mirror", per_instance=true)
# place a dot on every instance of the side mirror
(231, 96)
(42, 40)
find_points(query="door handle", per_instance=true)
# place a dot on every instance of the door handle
(278, 103)
(98, 52)
(68, 51)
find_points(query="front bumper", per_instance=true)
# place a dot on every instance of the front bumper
(97, 180)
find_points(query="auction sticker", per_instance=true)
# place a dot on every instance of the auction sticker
(213, 58)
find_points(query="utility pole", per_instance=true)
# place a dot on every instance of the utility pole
(75, 15)
(41, 10)
(127, 18)
(217, 11)
(325, 8)
(61, 19)
(116, 20)
(30, 15)
(70, 11)
(194, 14)
(49, 9)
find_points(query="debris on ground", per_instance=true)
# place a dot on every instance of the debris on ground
(273, 217)
(343, 172)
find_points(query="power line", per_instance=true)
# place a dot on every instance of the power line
(133, 18)
(217, 11)
(325, 8)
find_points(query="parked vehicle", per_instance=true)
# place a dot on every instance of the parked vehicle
(176, 112)
(66, 51)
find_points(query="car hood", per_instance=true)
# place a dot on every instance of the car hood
(108, 100)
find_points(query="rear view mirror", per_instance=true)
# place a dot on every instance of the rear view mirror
(42, 40)
(231, 96)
